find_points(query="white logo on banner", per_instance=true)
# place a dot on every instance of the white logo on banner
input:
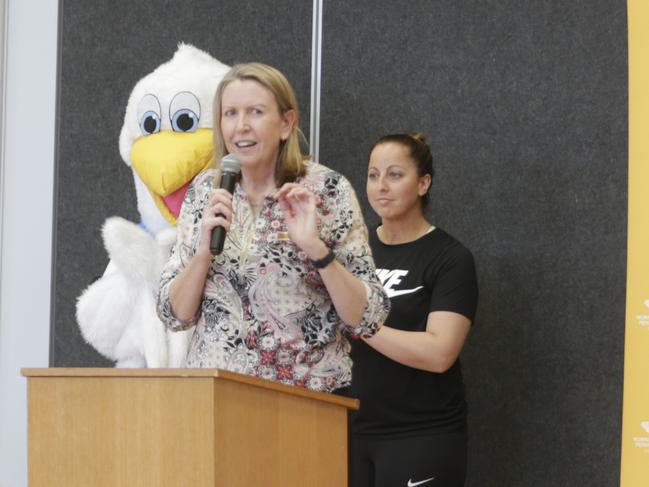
(643, 320)
(643, 441)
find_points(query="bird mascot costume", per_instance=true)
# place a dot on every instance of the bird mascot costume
(166, 140)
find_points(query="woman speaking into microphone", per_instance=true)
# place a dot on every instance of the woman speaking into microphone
(295, 272)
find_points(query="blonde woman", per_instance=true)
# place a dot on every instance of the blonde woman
(296, 270)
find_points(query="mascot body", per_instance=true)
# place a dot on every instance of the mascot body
(166, 139)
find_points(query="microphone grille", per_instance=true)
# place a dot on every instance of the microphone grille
(230, 163)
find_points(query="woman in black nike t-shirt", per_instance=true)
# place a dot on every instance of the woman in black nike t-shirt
(411, 427)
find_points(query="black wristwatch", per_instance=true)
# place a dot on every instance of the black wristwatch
(325, 261)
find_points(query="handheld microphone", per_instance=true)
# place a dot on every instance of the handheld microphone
(230, 169)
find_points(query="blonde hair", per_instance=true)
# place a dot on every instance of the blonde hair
(290, 162)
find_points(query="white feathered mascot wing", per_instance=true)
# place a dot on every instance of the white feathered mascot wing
(166, 139)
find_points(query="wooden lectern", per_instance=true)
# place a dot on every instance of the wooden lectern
(181, 428)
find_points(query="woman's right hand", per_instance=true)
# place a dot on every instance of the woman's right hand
(186, 289)
(217, 212)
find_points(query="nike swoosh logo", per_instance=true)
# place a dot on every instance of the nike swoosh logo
(392, 293)
(412, 484)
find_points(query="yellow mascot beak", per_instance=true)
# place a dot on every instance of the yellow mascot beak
(167, 162)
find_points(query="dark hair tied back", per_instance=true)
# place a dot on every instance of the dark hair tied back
(419, 137)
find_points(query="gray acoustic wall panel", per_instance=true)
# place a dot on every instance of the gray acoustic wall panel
(525, 104)
(105, 47)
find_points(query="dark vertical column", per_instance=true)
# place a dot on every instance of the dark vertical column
(105, 48)
(525, 104)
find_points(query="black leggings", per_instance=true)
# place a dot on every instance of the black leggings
(425, 461)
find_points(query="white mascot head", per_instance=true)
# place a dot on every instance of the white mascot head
(167, 133)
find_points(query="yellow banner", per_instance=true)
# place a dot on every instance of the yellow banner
(635, 422)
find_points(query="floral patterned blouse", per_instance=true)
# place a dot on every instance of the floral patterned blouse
(265, 310)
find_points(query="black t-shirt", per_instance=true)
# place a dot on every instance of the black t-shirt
(433, 273)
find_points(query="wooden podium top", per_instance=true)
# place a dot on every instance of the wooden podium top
(349, 403)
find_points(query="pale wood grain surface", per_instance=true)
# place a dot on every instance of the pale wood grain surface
(181, 427)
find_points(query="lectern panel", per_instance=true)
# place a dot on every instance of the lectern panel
(120, 432)
(181, 427)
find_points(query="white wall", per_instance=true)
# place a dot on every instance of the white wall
(26, 213)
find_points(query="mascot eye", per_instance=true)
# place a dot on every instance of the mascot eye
(184, 121)
(150, 123)
(148, 115)
(185, 112)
